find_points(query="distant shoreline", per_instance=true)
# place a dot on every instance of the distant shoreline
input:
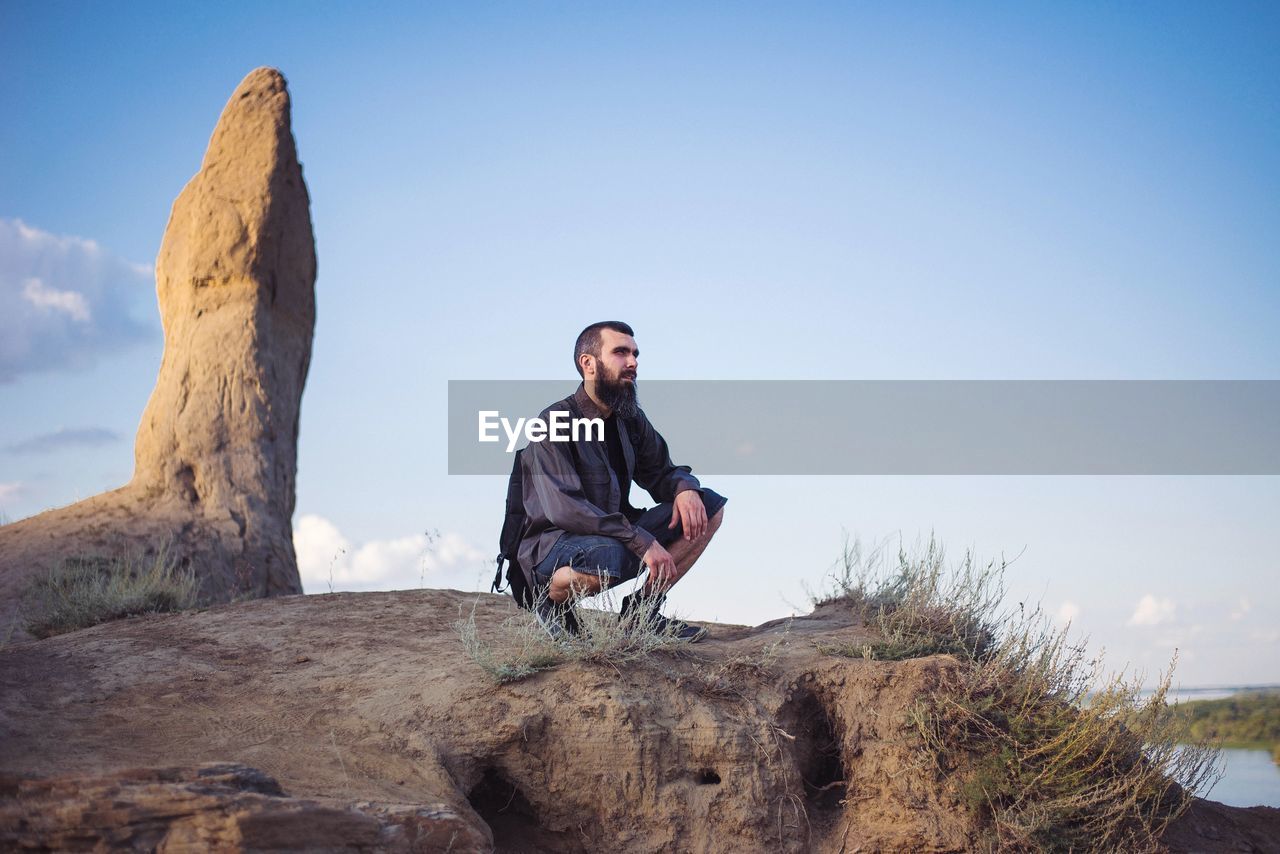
(1215, 692)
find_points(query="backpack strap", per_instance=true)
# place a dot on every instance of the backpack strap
(496, 587)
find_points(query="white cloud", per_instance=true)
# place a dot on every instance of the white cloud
(69, 303)
(10, 490)
(1067, 612)
(326, 557)
(1244, 606)
(64, 301)
(1151, 611)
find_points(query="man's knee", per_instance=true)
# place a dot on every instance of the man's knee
(567, 580)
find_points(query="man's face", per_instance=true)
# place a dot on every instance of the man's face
(615, 372)
(618, 357)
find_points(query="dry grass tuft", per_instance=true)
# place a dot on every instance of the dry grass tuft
(516, 649)
(519, 646)
(917, 605)
(1047, 752)
(80, 592)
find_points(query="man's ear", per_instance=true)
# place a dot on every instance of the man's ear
(588, 363)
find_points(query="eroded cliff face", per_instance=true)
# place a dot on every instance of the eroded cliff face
(216, 451)
(754, 740)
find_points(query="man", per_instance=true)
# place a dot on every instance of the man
(583, 535)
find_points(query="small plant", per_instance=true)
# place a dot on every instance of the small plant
(519, 646)
(516, 649)
(82, 592)
(432, 536)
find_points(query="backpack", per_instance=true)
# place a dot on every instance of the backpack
(518, 581)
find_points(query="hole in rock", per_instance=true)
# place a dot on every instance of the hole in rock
(708, 777)
(817, 752)
(512, 819)
(186, 481)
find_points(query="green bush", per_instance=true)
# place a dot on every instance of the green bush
(83, 592)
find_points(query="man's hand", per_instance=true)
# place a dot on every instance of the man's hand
(689, 511)
(662, 567)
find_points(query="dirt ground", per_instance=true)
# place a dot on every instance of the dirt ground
(347, 698)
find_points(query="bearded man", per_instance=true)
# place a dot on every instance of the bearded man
(583, 535)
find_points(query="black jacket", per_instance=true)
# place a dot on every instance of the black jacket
(570, 486)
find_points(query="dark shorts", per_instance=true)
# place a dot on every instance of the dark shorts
(605, 556)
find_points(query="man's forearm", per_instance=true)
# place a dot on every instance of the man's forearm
(579, 516)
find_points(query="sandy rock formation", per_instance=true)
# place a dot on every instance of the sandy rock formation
(754, 740)
(211, 807)
(216, 452)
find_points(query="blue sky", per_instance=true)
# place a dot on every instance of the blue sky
(808, 191)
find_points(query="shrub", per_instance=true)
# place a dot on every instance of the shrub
(918, 607)
(82, 592)
(1046, 752)
(519, 646)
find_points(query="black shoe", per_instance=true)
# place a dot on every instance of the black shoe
(654, 621)
(557, 619)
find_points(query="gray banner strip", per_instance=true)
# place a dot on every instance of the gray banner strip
(809, 427)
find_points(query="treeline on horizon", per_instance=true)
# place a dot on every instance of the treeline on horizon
(1242, 720)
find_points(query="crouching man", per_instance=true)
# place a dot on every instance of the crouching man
(583, 535)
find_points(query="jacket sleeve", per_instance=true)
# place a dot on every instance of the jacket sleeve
(654, 470)
(549, 467)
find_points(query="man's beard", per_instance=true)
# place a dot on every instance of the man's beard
(618, 394)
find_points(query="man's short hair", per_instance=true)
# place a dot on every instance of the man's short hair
(589, 339)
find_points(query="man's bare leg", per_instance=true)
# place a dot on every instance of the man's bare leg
(567, 582)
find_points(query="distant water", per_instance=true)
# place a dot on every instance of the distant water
(1251, 779)
(1186, 695)
(1215, 692)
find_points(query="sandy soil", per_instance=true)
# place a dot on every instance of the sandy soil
(370, 697)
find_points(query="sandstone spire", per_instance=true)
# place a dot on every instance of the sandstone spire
(235, 278)
(216, 452)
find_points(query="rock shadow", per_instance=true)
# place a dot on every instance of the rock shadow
(819, 760)
(512, 819)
